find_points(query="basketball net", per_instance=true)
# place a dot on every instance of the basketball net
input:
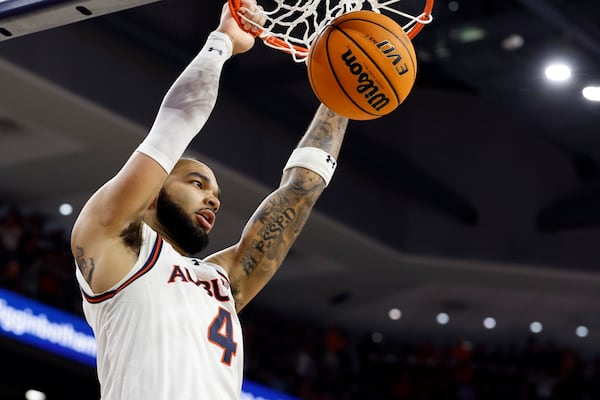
(292, 25)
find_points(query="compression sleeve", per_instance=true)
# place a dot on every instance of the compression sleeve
(188, 103)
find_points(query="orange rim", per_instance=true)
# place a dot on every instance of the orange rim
(234, 6)
(414, 31)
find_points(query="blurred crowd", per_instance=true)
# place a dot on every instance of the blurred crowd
(326, 363)
(315, 362)
(35, 259)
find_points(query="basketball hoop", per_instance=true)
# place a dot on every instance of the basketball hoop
(292, 25)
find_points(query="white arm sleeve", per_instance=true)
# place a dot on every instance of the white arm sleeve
(188, 103)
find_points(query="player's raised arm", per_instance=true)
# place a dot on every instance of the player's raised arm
(274, 226)
(106, 235)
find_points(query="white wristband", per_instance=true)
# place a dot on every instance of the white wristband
(315, 159)
(188, 103)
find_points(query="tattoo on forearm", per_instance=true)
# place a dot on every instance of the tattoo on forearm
(280, 225)
(326, 131)
(320, 134)
(269, 240)
(281, 218)
(86, 265)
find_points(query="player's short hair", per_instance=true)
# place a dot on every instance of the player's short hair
(188, 157)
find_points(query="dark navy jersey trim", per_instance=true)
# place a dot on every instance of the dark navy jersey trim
(223, 275)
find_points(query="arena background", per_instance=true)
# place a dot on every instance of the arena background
(476, 198)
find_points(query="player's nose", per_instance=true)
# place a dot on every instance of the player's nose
(213, 202)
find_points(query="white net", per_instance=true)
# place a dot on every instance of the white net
(292, 25)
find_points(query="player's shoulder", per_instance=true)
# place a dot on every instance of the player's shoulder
(213, 266)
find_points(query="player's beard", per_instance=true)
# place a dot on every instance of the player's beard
(189, 237)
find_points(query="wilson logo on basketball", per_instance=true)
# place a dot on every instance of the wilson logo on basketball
(388, 50)
(365, 85)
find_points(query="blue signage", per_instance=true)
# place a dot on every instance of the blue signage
(46, 327)
(254, 391)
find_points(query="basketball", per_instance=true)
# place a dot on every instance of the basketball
(362, 65)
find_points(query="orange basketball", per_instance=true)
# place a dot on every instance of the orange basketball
(362, 66)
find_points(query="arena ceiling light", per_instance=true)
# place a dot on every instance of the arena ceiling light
(558, 72)
(442, 318)
(536, 327)
(489, 323)
(591, 93)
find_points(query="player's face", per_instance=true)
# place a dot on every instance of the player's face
(187, 205)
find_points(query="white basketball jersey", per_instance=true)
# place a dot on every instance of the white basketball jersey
(168, 330)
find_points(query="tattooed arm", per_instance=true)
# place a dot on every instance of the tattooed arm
(275, 225)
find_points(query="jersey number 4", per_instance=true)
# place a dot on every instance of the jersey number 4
(220, 332)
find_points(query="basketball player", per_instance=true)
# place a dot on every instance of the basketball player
(165, 321)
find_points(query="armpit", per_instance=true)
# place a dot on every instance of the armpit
(132, 236)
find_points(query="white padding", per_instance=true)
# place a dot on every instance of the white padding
(315, 159)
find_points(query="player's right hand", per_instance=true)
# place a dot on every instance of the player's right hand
(241, 38)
